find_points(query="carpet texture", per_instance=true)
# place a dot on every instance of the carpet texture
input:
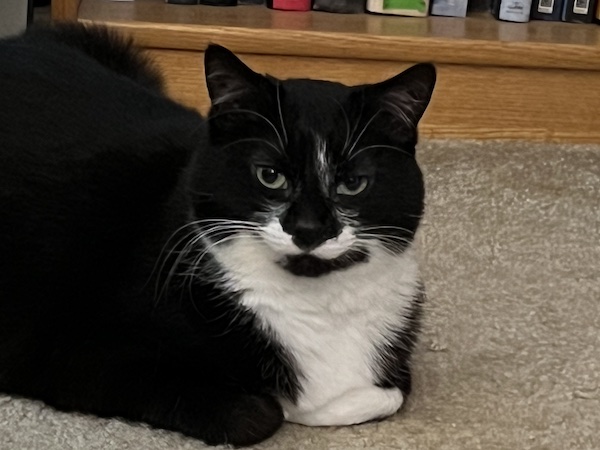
(510, 354)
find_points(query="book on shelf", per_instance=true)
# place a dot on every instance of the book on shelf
(340, 6)
(512, 10)
(414, 8)
(290, 5)
(547, 10)
(451, 8)
(203, 2)
(579, 11)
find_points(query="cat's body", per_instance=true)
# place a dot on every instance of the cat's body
(205, 277)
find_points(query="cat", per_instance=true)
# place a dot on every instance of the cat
(212, 276)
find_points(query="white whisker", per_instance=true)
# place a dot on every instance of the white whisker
(349, 152)
(347, 120)
(249, 111)
(384, 227)
(203, 231)
(281, 113)
(392, 245)
(163, 256)
(391, 147)
(159, 293)
(240, 141)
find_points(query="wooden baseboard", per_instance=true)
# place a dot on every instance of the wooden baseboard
(469, 101)
(65, 10)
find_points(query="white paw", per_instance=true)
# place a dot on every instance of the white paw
(352, 407)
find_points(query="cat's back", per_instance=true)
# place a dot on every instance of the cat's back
(57, 51)
(90, 146)
(61, 86)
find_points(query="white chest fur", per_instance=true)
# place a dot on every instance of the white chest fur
(333, 326)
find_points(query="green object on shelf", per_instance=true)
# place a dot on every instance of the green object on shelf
(418, 5)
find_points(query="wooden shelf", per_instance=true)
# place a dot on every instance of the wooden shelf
(478, 40)
(536, 81)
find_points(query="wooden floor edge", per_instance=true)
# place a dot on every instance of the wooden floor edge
(427, 132)
(335, 45)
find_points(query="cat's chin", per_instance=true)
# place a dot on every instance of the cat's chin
(306, 265)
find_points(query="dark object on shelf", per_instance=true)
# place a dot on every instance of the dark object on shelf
(581, 11)
(204, 2)
(479, 5)
(547, 10)
(219, 2)
(30, 5)
(290, 5)
(512, 10)
(340, 6)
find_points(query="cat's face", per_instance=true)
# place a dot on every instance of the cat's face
(318, 172)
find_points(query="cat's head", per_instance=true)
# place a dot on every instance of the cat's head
(318, 172)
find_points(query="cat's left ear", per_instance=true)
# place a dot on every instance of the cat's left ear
(406, 95)
(229, 81)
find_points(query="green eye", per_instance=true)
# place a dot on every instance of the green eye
(352, 186)
(270, 178)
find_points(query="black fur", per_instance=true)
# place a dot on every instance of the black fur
(311, 266)
(106, 47)
(395, 358)
(92, 166)
(100, 178)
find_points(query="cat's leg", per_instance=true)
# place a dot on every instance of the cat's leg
(220, 416)
(352, 407)
(138, 383)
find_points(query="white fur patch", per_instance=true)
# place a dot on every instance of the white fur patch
(337, 246)
(322, 164)
(351, 407)
(331, 325)
(281, 242)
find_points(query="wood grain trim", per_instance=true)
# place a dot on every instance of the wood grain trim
(65, 10)
(469, 102)
(365, 47)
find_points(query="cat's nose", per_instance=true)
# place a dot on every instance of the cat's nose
(309, 235)
(310, 221)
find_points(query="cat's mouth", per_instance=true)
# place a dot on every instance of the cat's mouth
(306, 265)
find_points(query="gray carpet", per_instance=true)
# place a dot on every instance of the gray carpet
(510, 355)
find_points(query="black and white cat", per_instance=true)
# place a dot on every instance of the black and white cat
(210, 277)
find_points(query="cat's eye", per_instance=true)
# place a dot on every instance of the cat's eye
(352, 186)
(271, 178)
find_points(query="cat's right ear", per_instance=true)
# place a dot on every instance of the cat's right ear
(228, 79)
(406, 95)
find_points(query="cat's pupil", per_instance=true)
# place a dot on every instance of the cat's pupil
(269, 175)
(352, 182)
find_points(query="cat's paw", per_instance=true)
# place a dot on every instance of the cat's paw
(233, 419)
(352, 407)
(254, 419)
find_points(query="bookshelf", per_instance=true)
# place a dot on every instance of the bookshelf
(535, 81)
